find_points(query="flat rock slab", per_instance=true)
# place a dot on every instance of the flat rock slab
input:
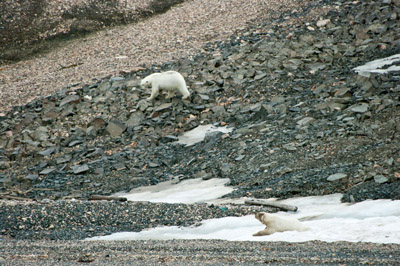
(115, 128)
(79, 169)
(337, 176)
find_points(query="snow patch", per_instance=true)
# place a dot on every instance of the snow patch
(379, 66)
(330, 220)
(197, 134)
(188, 191)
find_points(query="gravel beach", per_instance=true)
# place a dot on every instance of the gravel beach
(199, 252)
(74, 123)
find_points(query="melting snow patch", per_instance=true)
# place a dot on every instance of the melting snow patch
(379, 66)
(187, 191)
(197, 134)
(330, 220)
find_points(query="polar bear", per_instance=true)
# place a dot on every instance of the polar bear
(170, 81)
(275, 223)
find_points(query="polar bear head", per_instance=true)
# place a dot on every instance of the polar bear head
(146, 82)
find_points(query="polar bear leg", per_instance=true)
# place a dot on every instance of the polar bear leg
(170, 94)
(154, 92)
(184, 91)
(266, 231)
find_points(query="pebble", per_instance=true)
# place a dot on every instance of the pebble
(337, 176)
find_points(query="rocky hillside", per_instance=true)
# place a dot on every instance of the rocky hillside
(28, 27)
(304, 122)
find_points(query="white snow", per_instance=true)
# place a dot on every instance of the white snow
(197, 134)
(391, 63)
(376, 221)
(187, 191)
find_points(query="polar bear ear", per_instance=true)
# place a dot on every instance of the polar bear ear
(259, 215)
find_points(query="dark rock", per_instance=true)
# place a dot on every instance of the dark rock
(41, 134)
(32, 177)
(79, 169)
(204, 97)
(115, 128)
(70, 99)
(47, 152)
(48, 171)
(305, 121)
(261, 114)
(64, 159)
(135, 119)
(74, 143)
(119, 166)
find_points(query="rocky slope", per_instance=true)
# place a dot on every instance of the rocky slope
(31, 27)
(304, 124)
(301, 118)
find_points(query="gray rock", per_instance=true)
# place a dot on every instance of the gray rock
(380, 179)
(260, 76)
(163, 107)
(4, 165)
(345, 92)
(316, 67)
(277, 100)
(240, 157)
(226, 168)
(261, 114)
(47, 171)
(115, 128)
(4, 180)
(360, 108)
(153, 165)
(219, 110)
(389, 161)
(289, 147)
(64, 159)
(40, 134)
(97, 123)
(305, 121)
(204, 97)
(119, 166)
(31, 177)
(47, 152)
(203, 175)
(79, 169)
(323, 22)
(212, 136)
(74, 143)
(135, 119)
(104, 86)
(143, 105)
(91, 131)
(337, 176)
(69, 99)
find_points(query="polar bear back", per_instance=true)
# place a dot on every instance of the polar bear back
(282, 224)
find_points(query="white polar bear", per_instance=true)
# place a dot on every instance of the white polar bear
(170, 81)
(275, 223)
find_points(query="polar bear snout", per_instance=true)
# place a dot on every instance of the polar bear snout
(145, 83)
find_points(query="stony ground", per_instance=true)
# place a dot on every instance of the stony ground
(197, 252)
(304, 124)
